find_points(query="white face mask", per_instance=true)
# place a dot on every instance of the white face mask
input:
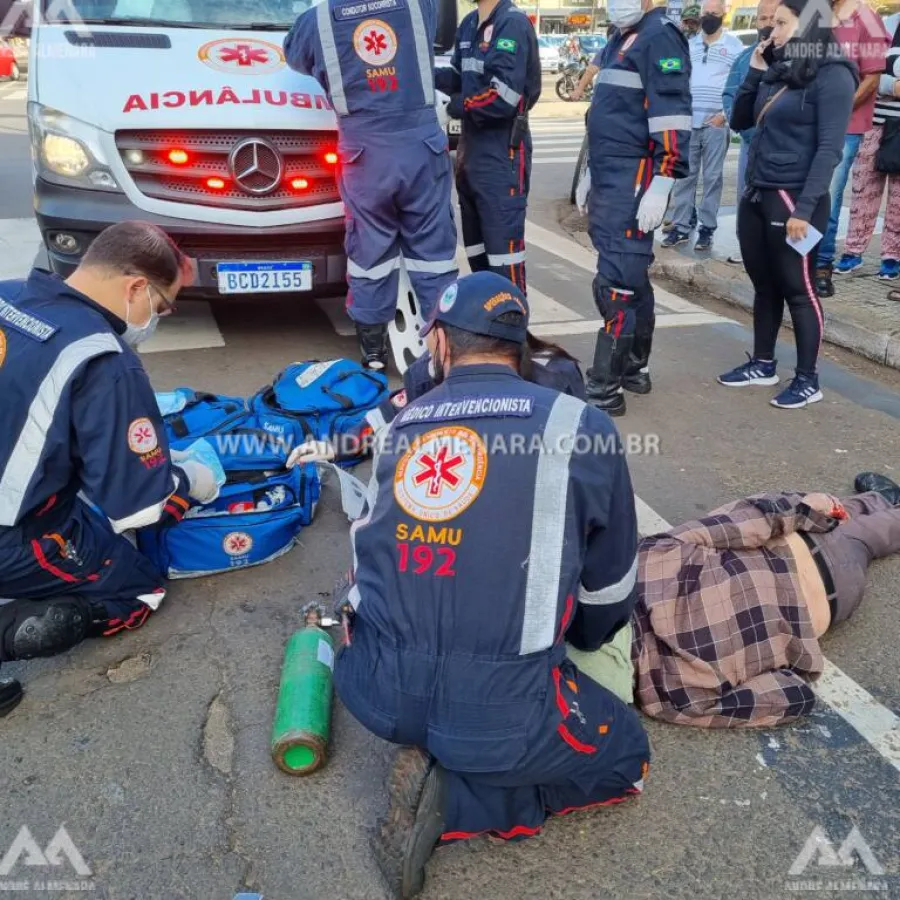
(624, 13)
(137, 334)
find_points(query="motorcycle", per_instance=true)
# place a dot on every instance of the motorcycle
(568, 81)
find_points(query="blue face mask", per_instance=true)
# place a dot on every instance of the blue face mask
(137, 334)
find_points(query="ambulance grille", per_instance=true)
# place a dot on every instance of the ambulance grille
(203, 173)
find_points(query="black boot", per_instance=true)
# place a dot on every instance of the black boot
(413, 826)
(872, 481)
(373, 342)
(637, 374)
(11, 694)
(604, 378)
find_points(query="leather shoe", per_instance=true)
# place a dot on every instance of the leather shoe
(11, 695)
(872, 481)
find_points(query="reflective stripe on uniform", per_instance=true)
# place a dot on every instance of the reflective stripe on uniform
(376, 272)
(473, 65)
(29, 447)
(506, 259)
(620, 78)
(669, 123)
(548, 525)
(474, 250)
(612, 593)
(423, 51)
(431, 266)
(331, 59)
(149, 516)
(513, 98)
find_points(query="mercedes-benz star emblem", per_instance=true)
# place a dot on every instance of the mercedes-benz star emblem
(256, 165)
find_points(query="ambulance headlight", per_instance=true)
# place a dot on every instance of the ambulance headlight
(68, 151)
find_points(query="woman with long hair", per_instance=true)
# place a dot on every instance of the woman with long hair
(798, 94)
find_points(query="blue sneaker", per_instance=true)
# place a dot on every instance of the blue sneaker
(890, 269)
(753, 372)
(802, 391)
(847, 264)
(675, 237)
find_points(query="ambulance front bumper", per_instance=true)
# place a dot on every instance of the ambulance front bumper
(70, 218)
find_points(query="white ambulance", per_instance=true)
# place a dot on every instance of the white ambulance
(184, 112)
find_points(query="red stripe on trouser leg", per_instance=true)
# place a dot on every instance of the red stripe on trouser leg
(573, 741)
(45, 564)
(611, 802)
(560, 700)
(564, 622)
(516, 831)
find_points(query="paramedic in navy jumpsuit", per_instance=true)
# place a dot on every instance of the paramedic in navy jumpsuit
(639, 129)
(375, 60)
(79, 421)
(493, 82)
(472, 568)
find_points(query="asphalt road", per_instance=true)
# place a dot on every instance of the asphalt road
(152, 748)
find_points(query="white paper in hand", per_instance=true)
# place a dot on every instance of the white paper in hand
(353, 492)
(804, 245)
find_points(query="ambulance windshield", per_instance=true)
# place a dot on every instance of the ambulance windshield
(275, 15)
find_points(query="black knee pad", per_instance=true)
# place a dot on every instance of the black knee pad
(34, 628)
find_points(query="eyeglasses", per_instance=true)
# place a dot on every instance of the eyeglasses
(166, 306)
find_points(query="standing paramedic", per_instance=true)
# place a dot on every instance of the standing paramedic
(798, 94)
(639, 132)
(395, 172)
(501, 525)
(79, 419)
(494, 80)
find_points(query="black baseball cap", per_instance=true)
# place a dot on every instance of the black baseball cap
(475, 302)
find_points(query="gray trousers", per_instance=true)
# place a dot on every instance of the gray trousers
(871, 532)
(708, 149)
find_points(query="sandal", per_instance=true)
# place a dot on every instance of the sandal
(894, 295)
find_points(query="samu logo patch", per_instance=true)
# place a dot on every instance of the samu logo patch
(672, 64)
(506, 44)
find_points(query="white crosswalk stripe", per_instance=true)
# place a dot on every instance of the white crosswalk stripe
(13, 91)
(556, 143)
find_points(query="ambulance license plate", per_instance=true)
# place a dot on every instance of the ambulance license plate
(264, 277)
(454, 126)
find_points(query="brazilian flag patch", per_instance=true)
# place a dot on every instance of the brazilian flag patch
(672, 64)
(507, 44)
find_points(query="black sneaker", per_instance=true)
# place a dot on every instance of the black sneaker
(872, 481)
(824, 284)
(11, 695)
(704, 241)
(675, 237)
(407, 836)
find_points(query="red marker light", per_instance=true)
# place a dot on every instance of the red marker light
(178, 157)
(331, 159)
(215, 184)
(299, 184)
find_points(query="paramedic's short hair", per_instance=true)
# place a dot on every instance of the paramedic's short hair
(137, 248)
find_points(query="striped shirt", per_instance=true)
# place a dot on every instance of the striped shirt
(887, 106)
(710, 65)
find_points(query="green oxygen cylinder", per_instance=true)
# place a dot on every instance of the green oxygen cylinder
(303, 715)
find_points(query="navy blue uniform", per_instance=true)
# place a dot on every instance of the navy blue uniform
(494, 81)
(473, 567)
(639, 126)
(79, 428)
(374, 58)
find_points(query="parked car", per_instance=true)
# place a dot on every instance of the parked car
(13, 60)
(748, 36)
(592, 43)
(548, 50)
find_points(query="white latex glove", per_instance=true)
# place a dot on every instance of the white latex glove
(310, 452)
(654, 203)
(441, 101)
(201, 480)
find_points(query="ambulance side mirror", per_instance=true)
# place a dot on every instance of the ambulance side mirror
(447, 22)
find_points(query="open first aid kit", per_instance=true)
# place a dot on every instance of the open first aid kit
(189, 414)
(321, 401)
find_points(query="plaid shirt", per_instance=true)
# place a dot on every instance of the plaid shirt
(722, 636)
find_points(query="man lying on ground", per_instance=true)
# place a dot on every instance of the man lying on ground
(730, 608)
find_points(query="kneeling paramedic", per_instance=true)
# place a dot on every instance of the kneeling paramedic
(80, 431)
(639, 130)
(494, 81)
(472, 568)
(395, 173)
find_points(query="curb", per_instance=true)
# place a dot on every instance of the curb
(728, 283)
